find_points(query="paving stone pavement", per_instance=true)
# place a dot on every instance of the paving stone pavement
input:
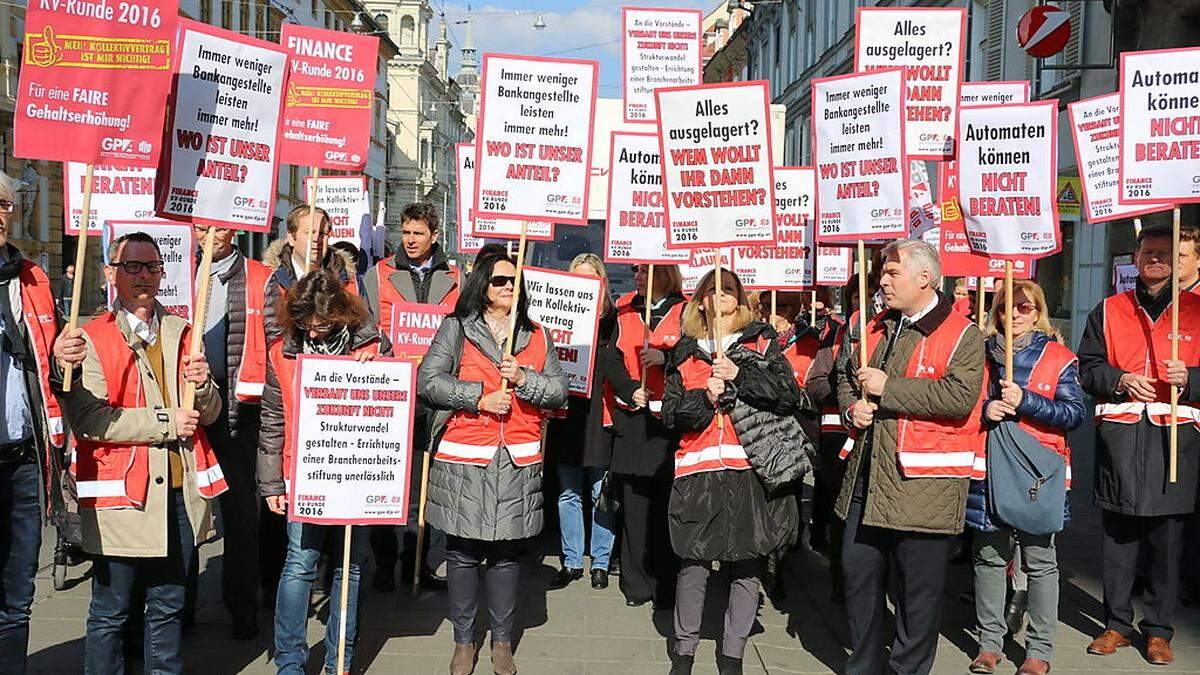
(581, 631)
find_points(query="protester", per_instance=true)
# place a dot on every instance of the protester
(299, 251)
(485, 488)
(235, 347)
(963, 302)
(1044, 398)
(419, 273)
(31, 439)
(643, 447)
(903, 495)
(580, 446)
(66, 287)
(145, 472)
(728, 409)
(316, 316)
(1141, 507)
(1189, 281)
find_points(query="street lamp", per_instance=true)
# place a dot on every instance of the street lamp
(539, 23)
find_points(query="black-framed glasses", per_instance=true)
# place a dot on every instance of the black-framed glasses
(7, 206)
(500, 281)
(135, 267)
(318, 328)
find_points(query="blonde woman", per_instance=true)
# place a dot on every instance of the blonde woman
(580, 446)
(1043, 396)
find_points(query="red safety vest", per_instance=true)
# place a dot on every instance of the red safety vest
(801, 354)
(389, 296)
(935, 448)
(37, 310)
(630, 338)
(252, 374)
(117, 475)
(474, 438)
(1136, 345)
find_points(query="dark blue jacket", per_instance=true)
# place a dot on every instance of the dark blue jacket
(1065, 411)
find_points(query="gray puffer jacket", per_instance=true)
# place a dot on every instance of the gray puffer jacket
(498, 501)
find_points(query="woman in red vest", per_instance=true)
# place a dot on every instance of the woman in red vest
(485, 482)
(316, 316)
(727, 410)
(1044, 397)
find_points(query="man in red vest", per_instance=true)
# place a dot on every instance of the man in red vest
(1125, 363)
(235, 346)
(418, 273)
(917, 415)
(31, 434)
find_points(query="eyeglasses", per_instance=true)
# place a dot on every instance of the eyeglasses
(7, 206)
(500, 281)
(135, 267)
(318, 328)
(1025, 307)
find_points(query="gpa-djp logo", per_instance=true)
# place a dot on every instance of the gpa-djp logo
(110, 144)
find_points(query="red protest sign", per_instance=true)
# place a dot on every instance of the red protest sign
(94, 82)
(330, 88)
(958, 260)
(412, 326)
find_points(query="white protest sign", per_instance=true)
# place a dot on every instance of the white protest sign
(862, 171)
(1096, 132)
(117, 194)
(993, 92)
(1124, 278)
(660, 48)
(351, 440)
(833, 266)
(636, 226)
(177, 247)
(472, 230)
(922, 215)
(715, 146)
(220, 154)
(787, 265)
(702, 262)
(1160, 131)
(345, 199)
(1007, 179)
(534, 145)
(568, 306)
(928, 43)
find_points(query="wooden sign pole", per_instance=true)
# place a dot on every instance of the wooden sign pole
(344, 600)
(1008, 329)
(1174, 433)
(312, 219)
(85, 225)
(512, 315)
(862, 306)
(200, 313)
(419, 556)
(646, 321)
(980, 302)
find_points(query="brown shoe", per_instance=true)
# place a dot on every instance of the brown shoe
(986, 662)
(502, 659)
(1108, 643)
(463, 661)
(1158, 651)
(1034, 667)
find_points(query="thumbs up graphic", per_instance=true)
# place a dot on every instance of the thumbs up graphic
(44, 51)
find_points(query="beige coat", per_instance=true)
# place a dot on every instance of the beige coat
(141, 532)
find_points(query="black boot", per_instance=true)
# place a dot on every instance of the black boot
(727, 665)
(681, 664)
(565, 576)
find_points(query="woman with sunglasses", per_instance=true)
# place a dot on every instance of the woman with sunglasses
(485, 481)
(1044, 397)
(727, 409)
(317, 315)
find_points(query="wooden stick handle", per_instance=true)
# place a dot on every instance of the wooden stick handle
(312, 203)
(200, 313)
(1174, 433)
(646, 322)
(812, 309)
(979, 302)
(343, 602)
(862, 305)
(85, 225)
(1008, 329)
(718, 338)
(419, 556)
(512, 314)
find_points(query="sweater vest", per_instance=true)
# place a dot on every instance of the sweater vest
(632, 337)
(252, 374)
(1137, 345)
(717, 447)
(117, 475)
(389, 296)
(474, 437)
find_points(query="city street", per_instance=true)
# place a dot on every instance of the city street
(578, 630)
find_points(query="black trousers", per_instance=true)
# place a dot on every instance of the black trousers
(648, 564)
(1124, 537)
(500, 561)
(239, 516)
(920, 563)
(827, 481)
(387, 548)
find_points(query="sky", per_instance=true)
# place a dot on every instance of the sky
(580, 29)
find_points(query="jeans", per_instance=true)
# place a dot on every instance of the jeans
(163, 581)
(1040, 564)
(570, 518)
(305, 543)
(20, 539)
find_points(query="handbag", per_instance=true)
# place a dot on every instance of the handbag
(1026, 480)
(608, 502)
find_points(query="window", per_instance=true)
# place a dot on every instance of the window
(206, 11)
(810, 33)
(244, 16)
(777, 61)
(793, 45)
(831, 17)
(227, 13)
(408, 28)
(313, 8)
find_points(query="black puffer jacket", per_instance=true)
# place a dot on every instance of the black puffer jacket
(728, 515)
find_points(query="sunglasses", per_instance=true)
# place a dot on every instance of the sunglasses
(135, 267)
(7, 206)
(500, 281)
(318, 328)
(1025, 307)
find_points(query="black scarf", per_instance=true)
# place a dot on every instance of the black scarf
(14, 344)
(337, 343)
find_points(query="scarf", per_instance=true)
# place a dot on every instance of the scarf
(337, 343)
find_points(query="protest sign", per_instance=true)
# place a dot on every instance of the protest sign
(993, 92)
(568, 306)
(346, 201)
(715, 150)
(922, 215)
(480, 228)
(833, 266)
(862, 171)
(1006, 178)
(636, 228)
(1160, 134)
(1096, 132)
(220, 164)
(1124, 278)
(94, 81)
(957, 258)
(351, 440)
(330, 88)
(117, 194)
(928, 43)
(411, 328)
(660, 48)
(534, 145)
(178, 249)
(788, 265)
(701, 262)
